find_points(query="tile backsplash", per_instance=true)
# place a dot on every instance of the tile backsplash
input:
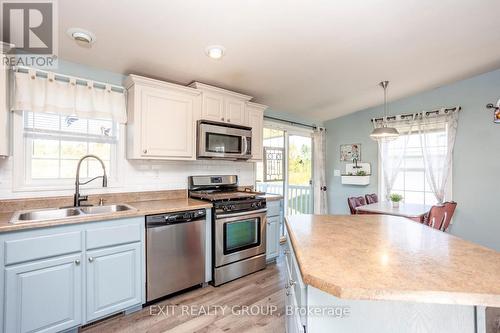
(140, 175)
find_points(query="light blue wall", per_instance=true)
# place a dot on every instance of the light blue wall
(476, 159)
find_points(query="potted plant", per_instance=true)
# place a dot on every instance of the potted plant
(395, 199)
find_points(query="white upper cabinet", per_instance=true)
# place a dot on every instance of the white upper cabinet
(255, 113)
(4, 109)
(213, 107)
(161, 119)
(222, 105)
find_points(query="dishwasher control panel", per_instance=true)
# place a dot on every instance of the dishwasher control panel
(174, 218)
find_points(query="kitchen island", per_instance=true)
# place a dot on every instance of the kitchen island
(378, 273)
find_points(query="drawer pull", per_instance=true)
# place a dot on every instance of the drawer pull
(77, 262)
(91, 259)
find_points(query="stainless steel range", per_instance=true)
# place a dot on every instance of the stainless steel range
(238, 227)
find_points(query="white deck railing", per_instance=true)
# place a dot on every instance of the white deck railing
(299, 199)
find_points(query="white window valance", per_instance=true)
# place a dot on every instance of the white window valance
(70, 97)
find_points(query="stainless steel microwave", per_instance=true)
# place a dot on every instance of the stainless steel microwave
(224, 141)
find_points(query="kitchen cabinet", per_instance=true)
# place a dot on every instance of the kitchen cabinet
(255, 114)
(44, 295)
(113, 279)
(274, 217)
(4, 109)
(222, 105)
(272, 237)
(161, 119)
(61, 277)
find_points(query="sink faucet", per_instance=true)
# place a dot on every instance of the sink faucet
(77, 198)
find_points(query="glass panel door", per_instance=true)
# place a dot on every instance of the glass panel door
(299, 185)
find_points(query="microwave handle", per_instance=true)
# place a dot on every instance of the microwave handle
(245, 145)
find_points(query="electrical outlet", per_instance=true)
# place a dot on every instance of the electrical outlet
(492, 320)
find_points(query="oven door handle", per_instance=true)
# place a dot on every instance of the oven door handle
(251, 212)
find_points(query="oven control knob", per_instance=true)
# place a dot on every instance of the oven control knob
(254, 205)
(233, 207)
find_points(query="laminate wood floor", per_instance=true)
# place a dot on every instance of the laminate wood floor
(254, 303)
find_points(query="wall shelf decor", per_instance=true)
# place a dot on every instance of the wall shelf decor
(356, 174)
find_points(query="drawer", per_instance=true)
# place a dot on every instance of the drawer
(42, 246)
(114, 235)
(274, 208)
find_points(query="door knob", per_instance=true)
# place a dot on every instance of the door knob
(91, 259)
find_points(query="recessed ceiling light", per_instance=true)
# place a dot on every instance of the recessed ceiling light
(81, 35)
(215, 51)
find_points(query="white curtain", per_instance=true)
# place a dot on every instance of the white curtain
(319, 172)
(391, 153)
(36, 94)
(437, 149)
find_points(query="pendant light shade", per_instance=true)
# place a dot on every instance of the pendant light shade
(384, 132)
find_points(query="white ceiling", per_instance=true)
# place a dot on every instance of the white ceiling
(319, 59)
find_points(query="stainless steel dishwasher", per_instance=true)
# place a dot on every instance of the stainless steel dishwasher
(175, 252)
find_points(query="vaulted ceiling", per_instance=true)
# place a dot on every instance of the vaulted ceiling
(319, 59)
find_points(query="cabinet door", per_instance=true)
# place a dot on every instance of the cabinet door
(213, 107)
(272, 237)
(113, 280)
(255, 121)
(44, 296)
(235, 111)
(167, 124)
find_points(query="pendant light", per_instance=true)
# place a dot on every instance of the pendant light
(384, 132)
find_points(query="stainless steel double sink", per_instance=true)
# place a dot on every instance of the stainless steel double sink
(64, 213)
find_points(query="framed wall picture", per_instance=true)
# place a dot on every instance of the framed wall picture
(350, 152)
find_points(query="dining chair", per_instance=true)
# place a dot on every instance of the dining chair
(371, 198)
(450, 207)
(354, 202)
(436, 216)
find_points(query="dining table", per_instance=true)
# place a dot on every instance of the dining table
(415, 212)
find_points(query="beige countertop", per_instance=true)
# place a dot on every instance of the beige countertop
(141, 208)
(380, 257)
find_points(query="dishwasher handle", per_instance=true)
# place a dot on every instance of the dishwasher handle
(160, 220)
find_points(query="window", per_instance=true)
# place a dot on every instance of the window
(53, 145)
(270, 173)
(411, 180)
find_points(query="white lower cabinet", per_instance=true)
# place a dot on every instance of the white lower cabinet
(272, 237)
(44, 296)
(59, 278)
(113, 279)
(274, 217)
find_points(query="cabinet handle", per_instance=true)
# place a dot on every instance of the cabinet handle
(222, 118)
(288, 293)
(292, 283)
(286, 252)
(228, 120)
(268, 223)
(91, 259)
(145, 151)
(77, 262)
